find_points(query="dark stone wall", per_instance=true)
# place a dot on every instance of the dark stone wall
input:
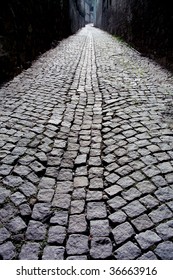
(28, 28)
(77, 14)
(146, 24)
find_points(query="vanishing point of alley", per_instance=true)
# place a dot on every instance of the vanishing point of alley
(86, 155)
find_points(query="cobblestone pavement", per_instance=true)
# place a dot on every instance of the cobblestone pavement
(86, 150)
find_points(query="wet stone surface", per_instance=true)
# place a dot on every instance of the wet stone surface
(86, 161)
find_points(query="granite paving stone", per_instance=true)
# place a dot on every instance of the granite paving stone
(165, 230)
(77, 244)
(96, 210)
(123, 232)
(4, 234)
(165, 250)
(128, 251)
(142, 222)
(53, 253)
(30, 251)
(99, 228)
(101, 248)
(7, 251)
(36, 231)
(86, 157)
(56, 234)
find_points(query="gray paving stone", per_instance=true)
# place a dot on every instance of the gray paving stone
(147, 239)
(148, 256)
(125, 182)
(28, 189)
(123, 232)
(165, 167)
(4, 234)
(64, 187)
(77, 244)
(65, 175)
(164, 194)
(4, 194)
(46, 183)
(149, 201)
(128, 251)
(36, 231)
(16, 225)
(77, 224)
(99, 228)
(131, 194)
(41, 211)
(101, 248)
(118, 217)
(116, 202)
(170, 205)
(81, 171)
(61, 201)
(134, 209)
(25, 209)
(81, 159)
(22, 170)
(165, 230)
(81, 181)
(79, 193)
(12, 181)
(94, 161)
(56, 234)
(82, 257)
(96, 210)
(94, 196)
(159, 181)
(160, 214)
(165, 250)
(112, 178)
(145, 187)
(138, 176)
(7, 251)
(96, 183)
(29, 251)
(143, 222)
(60, 218)
(5, 169)
(77, 206)
(113, 190)
(37, 167)
(169, 178)
(124, 170)
(151, 171)
(53, 253)
(17, 198)
(45, 195)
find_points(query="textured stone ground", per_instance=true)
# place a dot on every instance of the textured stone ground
(86, 150)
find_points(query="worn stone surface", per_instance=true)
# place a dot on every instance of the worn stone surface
(123, 232)
(36, 231)
(53, 253)
(128, 251)
(7, 251)
(99, 228)
(147, 239)
(86, 154)
(56, 234)
(101, 248)
(30, 251)
(165, 250)
(77, 244)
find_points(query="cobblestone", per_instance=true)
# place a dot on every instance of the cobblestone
(123, 232)
(29, 251)
(86, 157)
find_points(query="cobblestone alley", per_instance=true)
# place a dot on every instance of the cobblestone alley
(86, 151)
